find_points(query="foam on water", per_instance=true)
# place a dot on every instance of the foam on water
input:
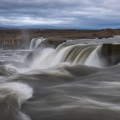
(12, 95)
(16, 90)
(69, 82)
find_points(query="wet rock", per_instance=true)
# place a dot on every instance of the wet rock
(111, 53)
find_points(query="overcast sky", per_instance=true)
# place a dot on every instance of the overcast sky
(79, 14)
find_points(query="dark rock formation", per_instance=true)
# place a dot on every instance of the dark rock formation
(111, 53)
(55, 41)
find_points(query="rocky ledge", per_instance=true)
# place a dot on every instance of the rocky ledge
(111, 53)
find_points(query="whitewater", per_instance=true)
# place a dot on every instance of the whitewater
(70, 82)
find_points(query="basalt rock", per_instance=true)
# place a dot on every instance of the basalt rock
(111, 53)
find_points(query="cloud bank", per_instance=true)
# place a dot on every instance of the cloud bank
(87, 14)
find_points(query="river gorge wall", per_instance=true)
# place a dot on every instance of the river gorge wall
(20, 39)
(15, 43)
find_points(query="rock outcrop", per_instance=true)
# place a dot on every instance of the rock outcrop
(111, 53)
(105, 33)
(55, 41)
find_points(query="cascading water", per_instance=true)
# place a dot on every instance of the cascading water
(70, 82)
(73, 54)
(94, 58)
(35, 42)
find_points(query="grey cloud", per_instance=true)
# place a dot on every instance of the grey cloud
(74, 13)
(38, 3)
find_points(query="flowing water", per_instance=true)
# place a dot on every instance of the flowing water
(71, 82)
(35, 42)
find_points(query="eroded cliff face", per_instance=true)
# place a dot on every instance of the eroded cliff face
(10, 42)
(14, 43)
(16, 38)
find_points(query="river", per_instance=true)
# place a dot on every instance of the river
(71, 82)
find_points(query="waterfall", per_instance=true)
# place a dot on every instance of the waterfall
(35, 42)
(73, 54)
(94, 59)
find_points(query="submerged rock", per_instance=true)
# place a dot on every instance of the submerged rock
(111, 53)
